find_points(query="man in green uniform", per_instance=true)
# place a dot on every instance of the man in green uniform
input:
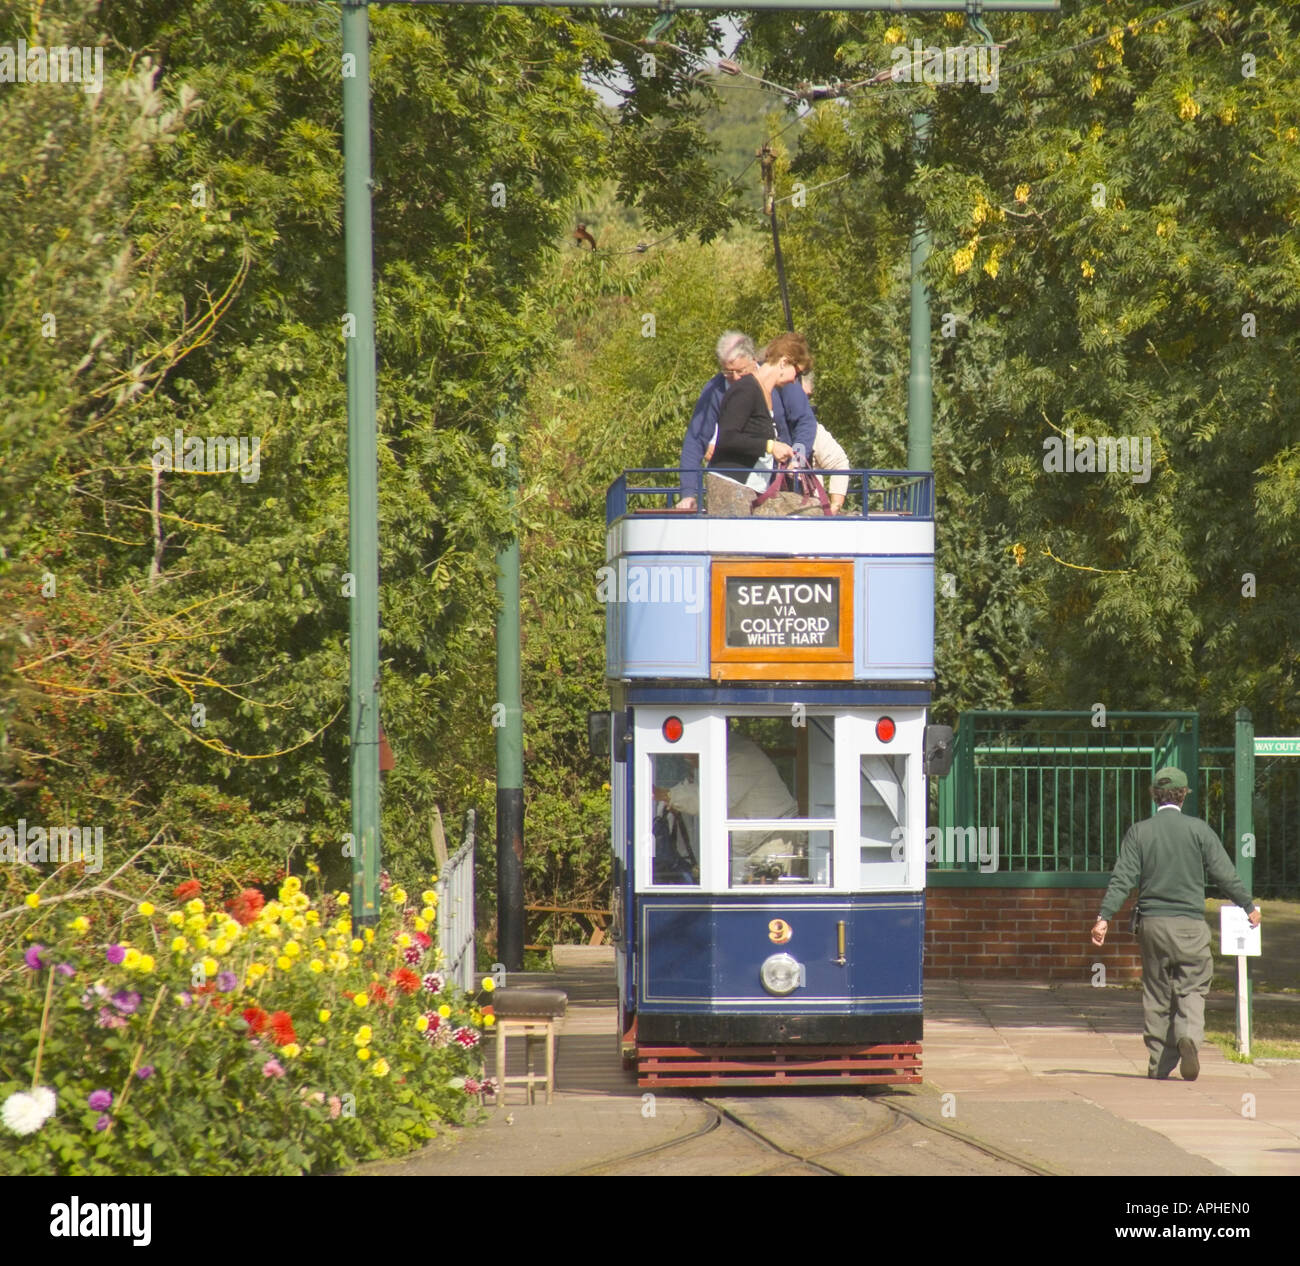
(1167, 857)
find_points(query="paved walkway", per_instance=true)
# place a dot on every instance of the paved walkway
(1055, 1074)
(1059, 1073)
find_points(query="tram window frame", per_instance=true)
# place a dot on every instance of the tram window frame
(853, 735)
(648, 743)
(673, 851)
(747, 870)
(893, 869)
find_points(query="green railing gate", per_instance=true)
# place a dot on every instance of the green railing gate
(1060, 790)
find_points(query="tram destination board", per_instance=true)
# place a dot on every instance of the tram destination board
(782, 620)
(782, 612)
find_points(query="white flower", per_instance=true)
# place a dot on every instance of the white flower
(25, 1113)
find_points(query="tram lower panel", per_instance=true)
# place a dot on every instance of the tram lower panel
(705, 1018)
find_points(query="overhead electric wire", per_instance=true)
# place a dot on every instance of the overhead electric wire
(832, 90)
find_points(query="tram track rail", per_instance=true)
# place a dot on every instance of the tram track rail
(818, 1160)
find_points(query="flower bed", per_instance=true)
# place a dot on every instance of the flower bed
(246, 1037)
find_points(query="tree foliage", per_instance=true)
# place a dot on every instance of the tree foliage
(1115, 253)
(185, 674)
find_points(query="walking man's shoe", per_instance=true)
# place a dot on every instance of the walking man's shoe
(1165, 1068)
(1191, 1066)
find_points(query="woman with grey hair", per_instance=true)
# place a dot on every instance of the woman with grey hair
(747, 431)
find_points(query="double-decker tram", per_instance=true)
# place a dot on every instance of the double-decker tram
(769, 679)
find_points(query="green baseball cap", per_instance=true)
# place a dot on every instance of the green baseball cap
(1170, 777)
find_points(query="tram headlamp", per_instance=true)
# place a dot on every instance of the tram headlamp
(781, 974)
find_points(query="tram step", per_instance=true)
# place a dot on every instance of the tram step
(687, 1066)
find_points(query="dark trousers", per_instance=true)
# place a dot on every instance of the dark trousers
(1176, 970)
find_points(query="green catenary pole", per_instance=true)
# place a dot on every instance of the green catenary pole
(510, 747)
(363, 474)
(1243, 787)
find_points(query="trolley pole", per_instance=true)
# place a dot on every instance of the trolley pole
(363, 472)
(920, 393)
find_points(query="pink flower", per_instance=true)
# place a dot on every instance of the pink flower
(435, 982)
(466, 1037)
(273, 1068)
(472, 1086)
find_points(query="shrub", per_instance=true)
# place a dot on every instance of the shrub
(259, 1038)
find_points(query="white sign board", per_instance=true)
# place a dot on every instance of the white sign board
(1236, 936)
(1277, 747)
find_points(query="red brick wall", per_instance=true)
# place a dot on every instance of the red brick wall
(1024, 934)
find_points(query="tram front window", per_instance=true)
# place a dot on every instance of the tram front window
(788, 856)
(676, 826)
(776, 770)
(883, 816)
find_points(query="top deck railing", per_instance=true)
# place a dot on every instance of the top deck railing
(869, 494)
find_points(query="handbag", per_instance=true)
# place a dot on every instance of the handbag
(802, 481)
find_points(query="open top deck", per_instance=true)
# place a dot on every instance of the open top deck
(708, 596)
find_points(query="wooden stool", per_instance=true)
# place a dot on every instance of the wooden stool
(531, 1012)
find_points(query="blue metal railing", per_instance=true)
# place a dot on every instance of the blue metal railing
(872, 494)
(455, 924)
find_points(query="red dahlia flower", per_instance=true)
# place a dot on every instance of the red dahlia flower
(423, 940)
(256, 1019)
(245, 908)
(406, 980)
(282, 1028)
(190, 888)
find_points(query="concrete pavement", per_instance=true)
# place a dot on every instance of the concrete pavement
(1055, 1074)
(1059, 1073)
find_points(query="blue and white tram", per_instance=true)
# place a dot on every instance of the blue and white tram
(769, 679)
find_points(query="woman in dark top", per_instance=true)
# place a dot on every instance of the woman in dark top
(746, 430)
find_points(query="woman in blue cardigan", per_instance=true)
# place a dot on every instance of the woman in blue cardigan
(746, 427)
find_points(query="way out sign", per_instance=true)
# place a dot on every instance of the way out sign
(1289, 746)
(1236, 937)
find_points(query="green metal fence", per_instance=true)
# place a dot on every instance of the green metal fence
(1061, 792)
(1275, 812)
(1277, 825)
(1059, 789)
